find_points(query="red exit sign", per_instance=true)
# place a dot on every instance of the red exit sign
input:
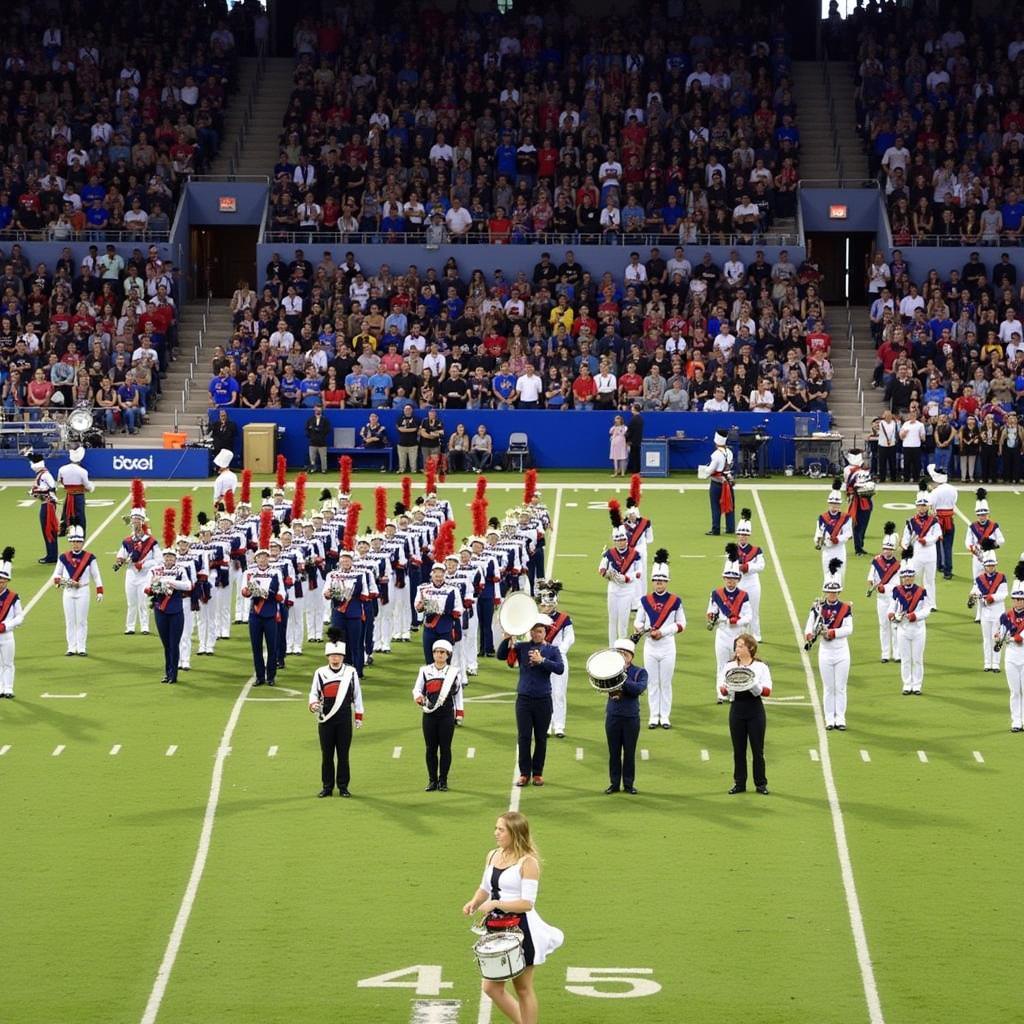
(837, 211)
(228, 204)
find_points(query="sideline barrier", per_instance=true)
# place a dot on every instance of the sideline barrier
(125, 463)
(558, 440)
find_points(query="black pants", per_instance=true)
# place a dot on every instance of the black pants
(438, 730)
(860, 529)
(1011, 465)
(335, 740)
(485, 609)
(988, 458)
(633, 459)
(911, 463)
(886, 463)
(169, 627)
(50, 528)
(533, 716)
(747, 725)
(622, 734)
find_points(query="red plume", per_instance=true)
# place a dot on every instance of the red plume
(444, 542)
(282, 470)
(481, 487)
(430, 475)
(615, 512)
(170, 514)
(266, 528)
(380, 497)
(229, 502)
(479, 510)
(186, 515)
(529, 486)
(246, 486)
(634, 488)
(346, 474)
(138, 493)
(299, 499)
(348, 540)
(407, 492)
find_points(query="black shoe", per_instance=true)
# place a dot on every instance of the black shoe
(369, 660)
(666, 725)
(560, 735)
(129, 632)
(442, 786)
(763, 790)
(343, 791)
(172, 681)
(829, 728)
(612, 789)
(652, 725)
(737, 789)
(145, 632)
(71, 654)
(47, 561)
(325, 792)
(630, 789)
(841, 728)
(713, 533)
(260, 682)
(270, 682)
(82, 654)
(431, 787)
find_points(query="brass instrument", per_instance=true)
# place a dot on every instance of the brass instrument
(713, 620)
(740, 678)
(817, 626)
(972, 599)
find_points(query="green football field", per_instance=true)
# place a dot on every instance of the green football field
(163, 856)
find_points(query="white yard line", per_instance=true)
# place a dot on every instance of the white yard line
(865, 757)
(4, 749)
(171, 750)
(396, 753)
(272, 752)
(163, 975)
(860, 939)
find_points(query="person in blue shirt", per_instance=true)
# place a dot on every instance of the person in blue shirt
(622, 722)
(166, 586)
(504, 386)
(1013, 212)
(224, 389)
(505, 157)
(130, 404)
(310, 388)
(379, 386)
(537, 662)
(329, 339)
(6, 211)
(356, 388)
(96, 215)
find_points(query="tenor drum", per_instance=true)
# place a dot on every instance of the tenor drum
(606, 670)
(500, 955)
(866, 489)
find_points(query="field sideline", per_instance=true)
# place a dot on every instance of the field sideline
(170, 838)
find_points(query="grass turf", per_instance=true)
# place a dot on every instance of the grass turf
(303, 898)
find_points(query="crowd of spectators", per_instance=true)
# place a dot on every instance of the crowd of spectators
(663, 333)
(105, 109)
(950, 363)
(96, 333)
(939, 103)
(524, 127)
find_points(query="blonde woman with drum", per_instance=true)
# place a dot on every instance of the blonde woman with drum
(507, 897)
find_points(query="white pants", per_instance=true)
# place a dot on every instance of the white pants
(207, 616)
(910, 643)
(313, 614)
(138, 603)
(383, 626)
(6, 663)
(976, 570)
(725, 637)
(925, 566)
(241, 608)
(222, 609)
(76, 618)
(559, 692)
(293, 632)
(620, 603)
(470, 642)
(886, 629)
(753, 588)
(989, 628)
(660, 662)
(1015, 679)
(401, 616)
(187, 628)
(834, 666)
(830, 551)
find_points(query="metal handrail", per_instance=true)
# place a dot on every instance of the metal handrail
(85, 235)
(838, 183)
(235, 177)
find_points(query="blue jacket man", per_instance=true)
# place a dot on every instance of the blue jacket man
(622, 723)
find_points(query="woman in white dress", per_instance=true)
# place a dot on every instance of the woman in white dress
(507, 896)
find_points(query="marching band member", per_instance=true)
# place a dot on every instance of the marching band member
(265, 591)
(562, 634)
(397, 552)
(471, 581)
(639, 532)
(439, 695)
(944, 497)
(747, 720)
(216, 559)
(334, 695)
(538, 661)
(370, 568)
(45, 489)
(1011, 636)
(923, 533)
(752, 564)
(622, 722)
(486, 561)
(225, 479)
(658, 620)
(311, 546)
(464, 602)
(292, 553)
(620, 566)
(500, 559)
(729, 615)
(248, 524)
(983, 528)
(989, 594)
(235, 543)
(832, 620)
(859, 488)
(882, 578)
(74, 478)
(75, 570)
(284, 568)
(11, 617)
(440, 604)
(834, 528)
(385, 579)
(508, 896)
(167, 585)
(526, 533)
(345, 589)
(138, 554)
(909, 606)
(720, 493)
(192, 560)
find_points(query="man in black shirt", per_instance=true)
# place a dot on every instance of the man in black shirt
(317, 432)
(545, 272)
(588, 217)
(406, 379)
(563, 222)
(634, 435)
(408, 428)
(431, 436)
(657, 270)
(454, 390)
(570, 270)
(973, 271)
(224, 433)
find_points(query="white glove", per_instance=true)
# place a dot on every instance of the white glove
(99, 598)
(359, 723)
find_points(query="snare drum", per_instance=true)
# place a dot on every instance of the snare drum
(500, 955)
(606, 670)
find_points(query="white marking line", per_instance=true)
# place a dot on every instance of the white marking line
(435, 1011)
(4, 749)
(63, 696)
(572, 504)
(396, 753)
(272, 752)
(922, 757)
(115, 750)
(573, 555)
(815, 756)
(173, 749)
(705, 755)
(163, 974)
(977, 756)
(471, 752)
(860, 939)
(58, 750)
(865, 757)
(645, 754)
(579, 753)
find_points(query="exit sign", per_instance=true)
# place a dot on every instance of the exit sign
(228, 204)
(837, 211)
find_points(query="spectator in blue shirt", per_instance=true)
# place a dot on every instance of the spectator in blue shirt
(504, 386)
(223, 389)
(329, 339)
(310, 388)
(96, 215)
(289, 388)
(671, 214)
(357, 389)
(128, 401)
(6, 211)
(505, 157)
(379, 386)
(1013, 213)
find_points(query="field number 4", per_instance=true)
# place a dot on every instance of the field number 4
(426, 980)
(582, 981)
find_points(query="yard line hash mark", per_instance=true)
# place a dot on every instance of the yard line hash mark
(396, 753)
(977, 756)
(58, 750)
(272, 752)
(865, 757)
(470, 752)
(4, 749)
(115, 750)
(705, 755)
(171, 750)
(579, 753)
(815, 756)
(645, 754)
(922, 757)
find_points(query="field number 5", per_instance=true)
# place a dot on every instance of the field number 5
(631, 977)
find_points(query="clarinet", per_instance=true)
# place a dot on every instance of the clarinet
(818, 626)
(1000, 639)
(713, 620)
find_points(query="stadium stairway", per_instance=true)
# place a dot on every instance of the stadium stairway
(817, 153)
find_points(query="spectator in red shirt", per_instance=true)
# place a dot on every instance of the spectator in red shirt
(584, 389)
(499, 227)
(631, 385)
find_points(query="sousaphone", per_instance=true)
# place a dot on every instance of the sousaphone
(518, 614)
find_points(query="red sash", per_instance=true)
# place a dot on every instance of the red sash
(638, 531)
(920, 527)
(1015, 620)
(840, 615)
(915, 600)
(147, 546)
(733, 603)
(725, 498)
(946, 519)
(834, 531)
(746, 557)
(622, 560)
(7, 603)
(86, 561)
(51, 527)
(984, 530)
(987, 587)
(560, 620)
(886, 572)
(671, 604)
